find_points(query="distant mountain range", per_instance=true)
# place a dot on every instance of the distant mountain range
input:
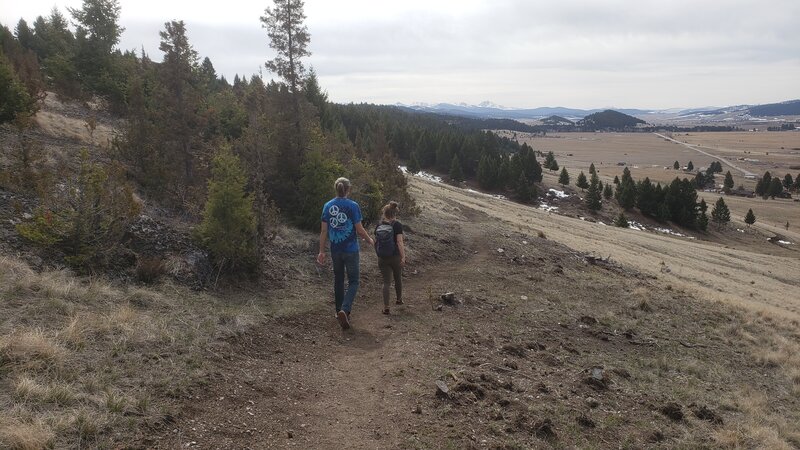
(487, 110)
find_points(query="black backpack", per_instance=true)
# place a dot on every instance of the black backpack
(384, 240)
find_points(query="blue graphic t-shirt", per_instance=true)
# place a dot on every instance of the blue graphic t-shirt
(342, 215)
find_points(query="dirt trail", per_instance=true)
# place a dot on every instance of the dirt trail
(304, 383)
(742, 277)
(697, 149)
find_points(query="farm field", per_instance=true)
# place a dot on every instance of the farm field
(647, 155)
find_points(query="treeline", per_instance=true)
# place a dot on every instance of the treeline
(198, 144)
(770, 187)
(425, 140)
(783, 127)
(470, 123)
(430, 141)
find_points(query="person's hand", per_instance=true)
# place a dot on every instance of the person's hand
(321, 258)
(403, 261)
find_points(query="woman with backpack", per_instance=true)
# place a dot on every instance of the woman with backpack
(341, 222)
(391, 252)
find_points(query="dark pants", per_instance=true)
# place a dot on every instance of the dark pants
(345, 262)
(391, 266)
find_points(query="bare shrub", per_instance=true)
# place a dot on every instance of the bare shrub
(149, 269)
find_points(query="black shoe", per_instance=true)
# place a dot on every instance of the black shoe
(344, 321)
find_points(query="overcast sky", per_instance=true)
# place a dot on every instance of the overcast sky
(515, 53)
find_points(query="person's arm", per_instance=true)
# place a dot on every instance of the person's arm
(363, 233)
(402, 247)
(323, 243)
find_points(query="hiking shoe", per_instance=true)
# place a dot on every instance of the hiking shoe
(386, 311)
(344, 321)
(398, 302)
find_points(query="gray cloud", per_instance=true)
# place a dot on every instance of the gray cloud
(520, 53)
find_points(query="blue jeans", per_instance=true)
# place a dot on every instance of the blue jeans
(345, 262)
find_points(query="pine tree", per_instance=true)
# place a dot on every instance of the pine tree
(522, 190)
(592, 170)
(563, 178)
(413, 164)
(87, 215)
(690, 166)
(621, 221)
(608, 192)
(616, 180)
(702, 222)
(750, 218)
(550, 161)
(593, 194)
(228, 228)
(178, 114)
(700, 181)
(289, 37)
(762, 186)
(663, 214)
(775, 188)
(797, 182)
(788, 182)
(676, 165)
(728, 183)
(720, 214)
(456, 174)
(15, 99)
(626, 191)
(581, 182)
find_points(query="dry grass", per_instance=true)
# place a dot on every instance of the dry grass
(18, 435)
(32, 350)
(74, 351)
(28, 390)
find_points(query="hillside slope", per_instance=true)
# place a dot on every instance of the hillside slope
(542, 349)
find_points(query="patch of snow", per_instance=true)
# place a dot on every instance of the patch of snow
(548, 208)
(784, 242)
(740, 230)
(602, 223)
(422, 174)
(669, 231)
(428, 176)
(557, 193)
(636, 226)
(497, 196)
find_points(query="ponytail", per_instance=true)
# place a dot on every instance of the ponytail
(342, 186)
(389, 212)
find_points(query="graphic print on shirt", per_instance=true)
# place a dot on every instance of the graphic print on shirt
(340, 226)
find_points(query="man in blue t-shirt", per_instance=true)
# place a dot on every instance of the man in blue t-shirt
(341, 222)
